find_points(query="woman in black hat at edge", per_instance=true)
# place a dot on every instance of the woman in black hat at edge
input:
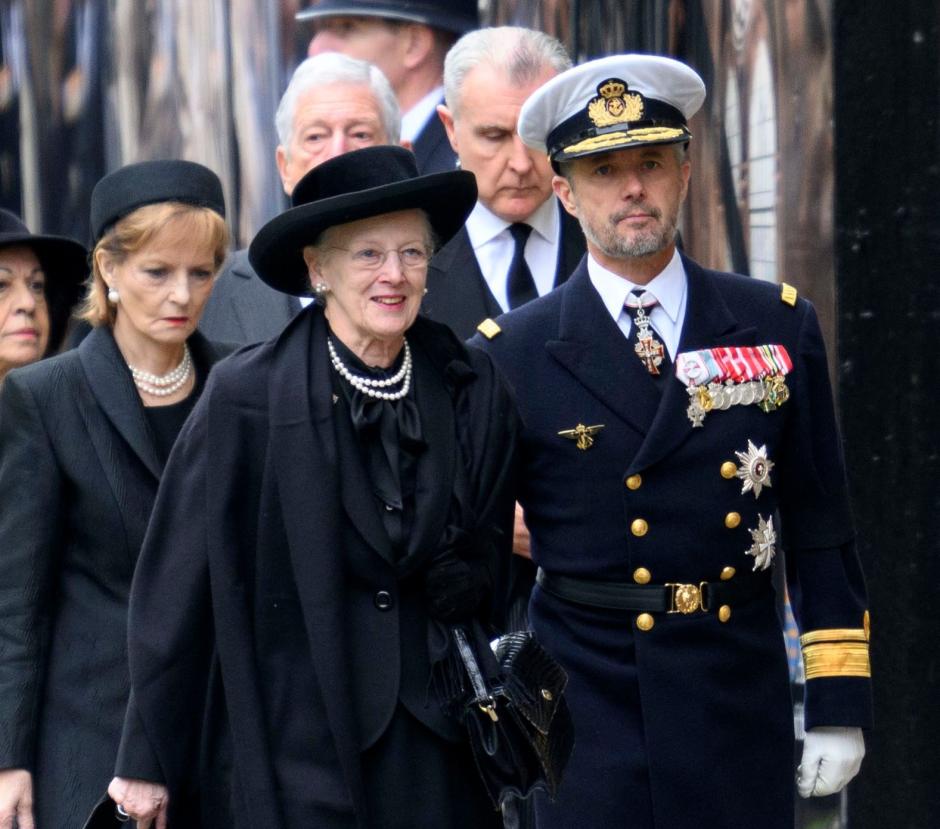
(338, 497)
(40, 282)
(83, 440)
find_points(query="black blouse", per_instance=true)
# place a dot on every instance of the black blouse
(166, 421)
(390, 443)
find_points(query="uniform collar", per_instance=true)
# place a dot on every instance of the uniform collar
(668, 286)
(483, 226)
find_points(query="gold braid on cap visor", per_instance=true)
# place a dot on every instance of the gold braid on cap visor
(615, 140)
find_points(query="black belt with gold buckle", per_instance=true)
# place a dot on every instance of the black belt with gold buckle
(654, 598)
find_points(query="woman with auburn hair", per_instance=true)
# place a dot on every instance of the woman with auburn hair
(84, 437)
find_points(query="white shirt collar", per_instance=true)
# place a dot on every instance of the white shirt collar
(668, 286)
(483, 225)
(413, 121)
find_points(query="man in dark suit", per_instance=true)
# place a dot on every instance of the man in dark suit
(675, 419)
(407, 40)
(517, 243)
(333, 104)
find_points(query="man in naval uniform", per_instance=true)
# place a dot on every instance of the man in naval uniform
(679, 434)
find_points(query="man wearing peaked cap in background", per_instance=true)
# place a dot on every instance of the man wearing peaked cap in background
(407, 40)
(675, 419)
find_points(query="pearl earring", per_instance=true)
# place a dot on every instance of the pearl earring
(424, 292)
(113, 296)
(321, 289)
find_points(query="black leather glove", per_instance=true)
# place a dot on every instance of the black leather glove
(454, 588)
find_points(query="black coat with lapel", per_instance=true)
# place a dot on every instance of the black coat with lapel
(243, 309)
(78, 476)
(689, 722)
(432, 148)
(268, 533)
(459, 296)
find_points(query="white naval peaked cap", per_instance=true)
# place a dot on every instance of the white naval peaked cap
(612, 103)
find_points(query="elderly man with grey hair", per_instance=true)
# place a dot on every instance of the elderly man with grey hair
(333, 104)
(517, 244)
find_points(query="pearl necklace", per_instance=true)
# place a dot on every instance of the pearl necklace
(162, 385)
(372, 387)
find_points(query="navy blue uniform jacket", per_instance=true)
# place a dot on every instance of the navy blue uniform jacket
(689, 723)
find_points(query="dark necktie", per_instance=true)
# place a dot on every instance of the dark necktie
(650, 351)
(520, 286)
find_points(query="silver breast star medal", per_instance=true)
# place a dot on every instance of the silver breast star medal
(755, 469)
(582, 435)
(764, 546)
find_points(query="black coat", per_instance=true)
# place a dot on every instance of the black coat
(78, 477)
(459, 296)
(243, 309)
(267, 548)
(688, 723)
(432, 148)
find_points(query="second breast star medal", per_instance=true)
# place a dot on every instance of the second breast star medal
(582, 435)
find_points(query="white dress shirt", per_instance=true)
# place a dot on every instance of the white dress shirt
(669, 286)
(413, 121)
(494, 247)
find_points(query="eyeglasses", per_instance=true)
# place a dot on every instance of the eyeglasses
(371, 259)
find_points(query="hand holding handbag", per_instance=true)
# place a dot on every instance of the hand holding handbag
(518, 721)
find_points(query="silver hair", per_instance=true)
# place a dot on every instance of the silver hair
(330, 68)
(522, 54)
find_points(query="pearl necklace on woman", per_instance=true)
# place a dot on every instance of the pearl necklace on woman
(162, 385)
(372, 387)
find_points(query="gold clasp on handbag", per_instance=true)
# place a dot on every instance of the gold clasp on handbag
(490, 709)
(686, 598)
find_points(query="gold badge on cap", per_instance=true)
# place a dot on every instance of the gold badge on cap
(614, 105)
(582, 435)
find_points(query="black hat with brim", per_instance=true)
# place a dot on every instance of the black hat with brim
(64, 262)
(353, 186)
(457, 16)
(122, 192)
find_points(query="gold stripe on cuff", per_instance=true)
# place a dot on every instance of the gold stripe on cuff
(828, 659)
(833, 635)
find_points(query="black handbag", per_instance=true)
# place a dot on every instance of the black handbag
(518, 721)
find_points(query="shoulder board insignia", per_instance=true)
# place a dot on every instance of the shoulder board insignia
(489, 328)
(788, 294)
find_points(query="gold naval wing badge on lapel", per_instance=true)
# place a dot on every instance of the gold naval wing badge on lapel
(582, 435)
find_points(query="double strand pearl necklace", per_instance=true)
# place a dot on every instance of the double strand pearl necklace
(162, 385)
(372, 387)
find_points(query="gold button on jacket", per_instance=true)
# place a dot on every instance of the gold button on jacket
(641, 575)
(634, 482)
(645, 621)
(639, 527)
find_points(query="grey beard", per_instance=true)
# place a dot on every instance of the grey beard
(643, 244)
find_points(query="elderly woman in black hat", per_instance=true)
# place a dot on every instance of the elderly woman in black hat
(40, 282)
(83, 440)
(338, 496)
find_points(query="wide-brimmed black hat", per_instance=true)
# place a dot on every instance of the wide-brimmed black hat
(356, 185)
(457, 16)
(64, 262)
(150, 182)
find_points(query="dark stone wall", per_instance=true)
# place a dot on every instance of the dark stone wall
(887, 100)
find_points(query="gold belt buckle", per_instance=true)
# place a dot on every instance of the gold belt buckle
(686, 598)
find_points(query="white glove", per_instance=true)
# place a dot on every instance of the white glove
(831, 758)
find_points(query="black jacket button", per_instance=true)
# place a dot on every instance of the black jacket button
(383, 600)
